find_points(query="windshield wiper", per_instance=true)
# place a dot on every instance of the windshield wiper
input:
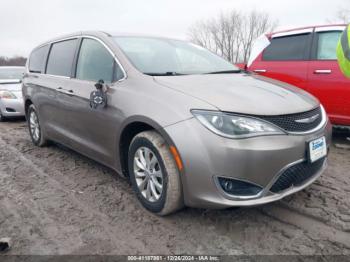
(236, 71)
(165, 74)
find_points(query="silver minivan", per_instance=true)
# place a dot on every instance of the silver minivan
(185, 126)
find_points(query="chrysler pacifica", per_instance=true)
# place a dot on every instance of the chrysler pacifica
(185, 126)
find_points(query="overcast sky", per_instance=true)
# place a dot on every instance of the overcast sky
(26, 23)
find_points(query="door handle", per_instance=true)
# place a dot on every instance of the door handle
(68, 92)
(260, 70)
(322, 71)
(65, 91)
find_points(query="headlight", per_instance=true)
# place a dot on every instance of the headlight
(235, 126)
(4, 94)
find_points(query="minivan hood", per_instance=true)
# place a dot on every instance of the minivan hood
(242, 93)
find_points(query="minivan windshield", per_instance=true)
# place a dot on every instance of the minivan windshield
(11, 73)
(158, 56)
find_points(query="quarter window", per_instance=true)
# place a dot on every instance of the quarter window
(95, 63)
(37, 59)
(327, 45)
(294, 47)
(61, 58)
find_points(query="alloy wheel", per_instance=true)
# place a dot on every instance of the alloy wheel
(34, 126)
(148, 174)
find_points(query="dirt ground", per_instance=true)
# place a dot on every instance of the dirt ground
(55, 201)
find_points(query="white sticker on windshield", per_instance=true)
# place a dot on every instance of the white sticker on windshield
(258, 46)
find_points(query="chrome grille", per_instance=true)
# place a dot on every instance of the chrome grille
(297, 122)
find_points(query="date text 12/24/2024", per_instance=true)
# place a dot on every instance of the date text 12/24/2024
(174, 258)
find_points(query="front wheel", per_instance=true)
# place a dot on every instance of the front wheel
(153, 174)
(35, 129)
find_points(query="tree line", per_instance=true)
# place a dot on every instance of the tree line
(13, 61)
(231, 34)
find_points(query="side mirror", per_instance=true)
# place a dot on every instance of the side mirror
(99, 84)
(98, 98)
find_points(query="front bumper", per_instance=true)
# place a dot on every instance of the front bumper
(12, 107)
(258, 160)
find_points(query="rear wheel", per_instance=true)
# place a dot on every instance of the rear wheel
(35, 130)
(153, 174)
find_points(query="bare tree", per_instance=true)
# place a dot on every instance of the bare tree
(13, 61)
(254, 25)
(342, 16)
(231, 34)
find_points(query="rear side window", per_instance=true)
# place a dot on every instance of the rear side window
(61, 58)
(37, 59)
(95, 62)
(327, 45)
(294, 47)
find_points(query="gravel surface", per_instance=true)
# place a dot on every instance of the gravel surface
(55, 201)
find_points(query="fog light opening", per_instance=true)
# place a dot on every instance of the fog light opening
(10, 110)
(238, 188)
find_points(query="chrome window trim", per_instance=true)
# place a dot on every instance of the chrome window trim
(77, 37)
(330, 28)
(57, 76)
(294, 32)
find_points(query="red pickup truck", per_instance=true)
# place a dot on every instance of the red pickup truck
(306, 57)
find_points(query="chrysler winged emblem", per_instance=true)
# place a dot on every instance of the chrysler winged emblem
(307, 120)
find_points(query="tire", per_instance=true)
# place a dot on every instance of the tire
(168, 198)
(37, 135)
